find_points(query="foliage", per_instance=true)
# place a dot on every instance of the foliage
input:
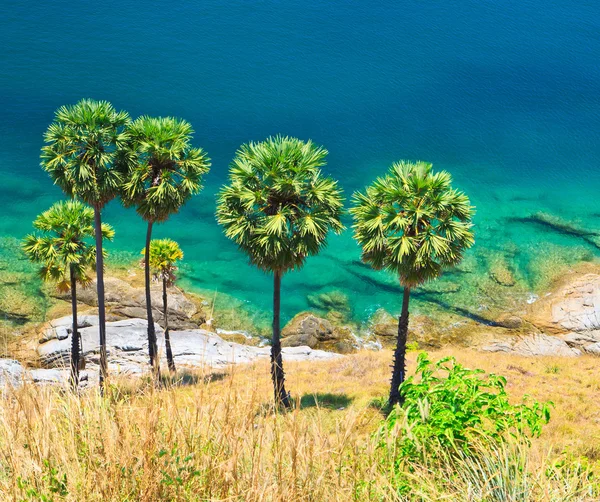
(162, 170)
(412, 222)
(454, 406)
(492, 472)
(164, 253)
(53, 483)
(279, 207)
(82, 146)
(66, 230)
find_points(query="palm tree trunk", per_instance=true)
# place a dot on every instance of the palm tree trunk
(74, 332)
(152, 346)
(399, 372)
(170, 360)
(281, 396)
(100, 291)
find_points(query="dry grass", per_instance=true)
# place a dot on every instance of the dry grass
(219, 439)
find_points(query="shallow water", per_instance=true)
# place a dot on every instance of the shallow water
(504, 94)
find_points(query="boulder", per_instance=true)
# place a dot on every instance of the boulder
(300, 339)
(588, 341)
(592, 348)
(386, 329)
(509, 321)
(127, 348)
(11, 372)
(126, 301)
(537, 344)
(577, 307)
(306, 329)
(61, 328)
(573, 307)
(421, 329)
(121, 337)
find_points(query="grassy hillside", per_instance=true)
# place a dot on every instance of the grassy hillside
(217, 438)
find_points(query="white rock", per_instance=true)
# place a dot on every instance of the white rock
(11, 372)
(592, 348)
(534, 345)
(127, 348)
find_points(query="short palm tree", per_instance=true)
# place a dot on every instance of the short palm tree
(82, 145)
(162, 171)
(412, 223)
(279, 208)
(64, 250)
(164, 254)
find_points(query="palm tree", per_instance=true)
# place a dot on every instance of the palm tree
(162, 171)
(65, 254)
(82, 146)
(412, 223)
(279, 208)
(164, 253)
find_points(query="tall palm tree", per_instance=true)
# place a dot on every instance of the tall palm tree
(65, 253)
(279, 208)
(412, 223)
(162, 171)
(164, 254)
(82, 146)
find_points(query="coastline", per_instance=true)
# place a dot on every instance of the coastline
(460, 308)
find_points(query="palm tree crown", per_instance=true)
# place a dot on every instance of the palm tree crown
(164, 254)
(82, 146)
(63, 246)
(412, 222)
(279, 207)
(163, 170)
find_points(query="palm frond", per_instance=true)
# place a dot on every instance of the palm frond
(278, 206)
(412, 222)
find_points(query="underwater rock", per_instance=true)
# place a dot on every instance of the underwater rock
(334, 302)
(563, 226)
(440, 287)
(501, 273)
(17, 305)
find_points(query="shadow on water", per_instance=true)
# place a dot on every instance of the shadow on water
(327, 400)
(431, 298)
(423, 296)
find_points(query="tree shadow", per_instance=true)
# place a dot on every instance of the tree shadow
(422, 295)
(185, 378)
(382, 405)
(325, 400)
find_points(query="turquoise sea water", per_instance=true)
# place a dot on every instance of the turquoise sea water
(503, 93)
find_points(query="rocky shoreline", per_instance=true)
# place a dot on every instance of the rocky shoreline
(564, 322)
(127, 348)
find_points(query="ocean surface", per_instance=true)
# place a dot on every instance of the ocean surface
(504, 94)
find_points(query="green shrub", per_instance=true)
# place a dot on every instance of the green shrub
(451, 406)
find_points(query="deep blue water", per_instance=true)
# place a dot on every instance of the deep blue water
(505, 94)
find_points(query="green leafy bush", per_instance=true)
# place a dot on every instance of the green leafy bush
(448, 405)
